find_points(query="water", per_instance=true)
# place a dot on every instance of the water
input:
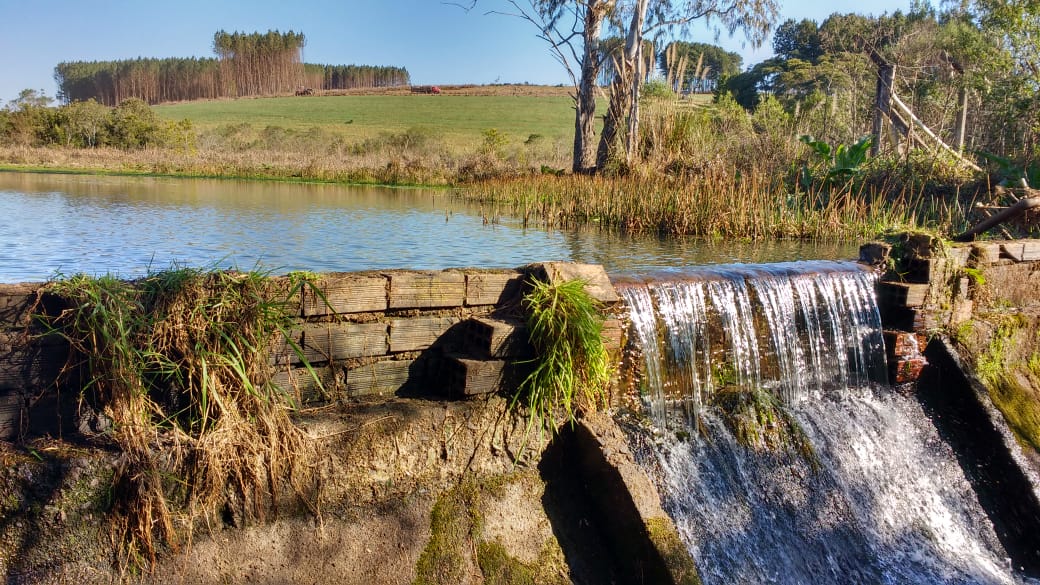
(125, 225)
(796, 329)
(886, 500)
(888, 503)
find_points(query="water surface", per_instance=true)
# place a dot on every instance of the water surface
(66, 224)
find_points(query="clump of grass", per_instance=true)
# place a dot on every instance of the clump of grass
(572, 368)
(178, 362)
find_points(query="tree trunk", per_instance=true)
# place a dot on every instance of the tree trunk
(585, 100)
(634, 55)
(624, 93)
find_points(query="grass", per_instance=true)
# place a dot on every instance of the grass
(572, 368)
(712, 205)
(458, 119)
(178, 363)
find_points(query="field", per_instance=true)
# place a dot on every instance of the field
(459, 120)
(460, 116)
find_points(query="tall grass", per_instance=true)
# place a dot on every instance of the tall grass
(178, 363)
(716, 203)
(572, 369)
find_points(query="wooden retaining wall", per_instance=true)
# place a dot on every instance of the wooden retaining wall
(930, 286)
(451, 334)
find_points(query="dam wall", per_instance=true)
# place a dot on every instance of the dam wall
(362, 335)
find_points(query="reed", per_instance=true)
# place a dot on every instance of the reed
(714, 204)
(178, 363)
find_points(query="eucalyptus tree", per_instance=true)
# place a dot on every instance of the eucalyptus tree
(658, 18)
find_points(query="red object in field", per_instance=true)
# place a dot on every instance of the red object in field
(435, 89)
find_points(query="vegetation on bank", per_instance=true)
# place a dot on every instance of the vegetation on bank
(175, 365)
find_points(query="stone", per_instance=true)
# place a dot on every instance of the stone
(598, 284)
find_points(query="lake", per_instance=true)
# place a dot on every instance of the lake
(60, 224)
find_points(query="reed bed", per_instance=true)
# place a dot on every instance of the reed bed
(712, 204)
(177, 365)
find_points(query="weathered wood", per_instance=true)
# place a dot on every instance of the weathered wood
(16, 301)
(30, 364)
(304, 387)
(497, 338)
(468, 377)
(598, 284)
(334, 341)
(901, 294)
(12, 406)
(1020, 207)
(928, 132)
(984, 253)
(1021, 250)
(427, 290)
(379, 379)
(345, 293)
(417, 333)
(492, 288)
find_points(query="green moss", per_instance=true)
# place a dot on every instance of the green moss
(501, 569)
(760, 420)
(665, 538)
(1008, 379)
(457, 542)
(443, 560)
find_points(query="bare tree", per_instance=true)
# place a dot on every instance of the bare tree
(572, 29)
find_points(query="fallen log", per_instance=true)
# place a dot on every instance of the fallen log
(1032, 201)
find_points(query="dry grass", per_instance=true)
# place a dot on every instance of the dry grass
(178, 363)
(716, 203)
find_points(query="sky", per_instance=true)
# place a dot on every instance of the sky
(437, 41)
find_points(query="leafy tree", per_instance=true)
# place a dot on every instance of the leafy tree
(798, 40)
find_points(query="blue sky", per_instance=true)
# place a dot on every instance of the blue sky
(436, 41)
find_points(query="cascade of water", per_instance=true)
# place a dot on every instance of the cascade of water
(797, 328)
(888, 502)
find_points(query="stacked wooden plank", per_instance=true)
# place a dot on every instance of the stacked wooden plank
(932, 285)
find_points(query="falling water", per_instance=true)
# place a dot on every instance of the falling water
(884, 500)
(796, 328)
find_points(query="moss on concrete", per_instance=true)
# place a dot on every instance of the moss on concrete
(460, 548)
(672, 550)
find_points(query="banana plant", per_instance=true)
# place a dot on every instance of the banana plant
(840, 164)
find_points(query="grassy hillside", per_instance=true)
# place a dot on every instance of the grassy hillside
(460, 120)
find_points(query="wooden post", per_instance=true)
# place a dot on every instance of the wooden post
(883, 100)
(962, 120)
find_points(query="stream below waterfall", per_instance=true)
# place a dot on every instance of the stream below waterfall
(878, 496)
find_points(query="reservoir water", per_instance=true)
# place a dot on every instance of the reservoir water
(57, 224)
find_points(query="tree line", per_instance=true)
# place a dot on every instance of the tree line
(353, 76)
(247, 64)
(958, 75)
(30, 120)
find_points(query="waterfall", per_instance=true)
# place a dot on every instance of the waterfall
(796, 329)
(883, 498)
